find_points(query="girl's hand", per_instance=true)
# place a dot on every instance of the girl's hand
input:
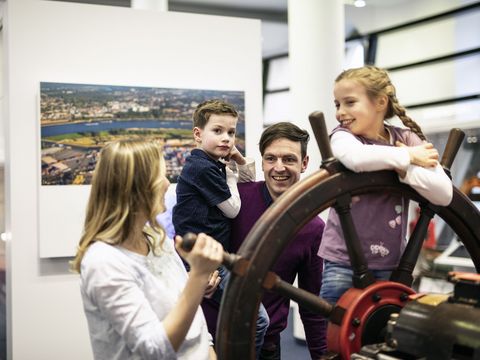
(213, 282)
(205, 256)
(424, 155)
(236, 156)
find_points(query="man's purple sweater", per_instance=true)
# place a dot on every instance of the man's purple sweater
(299, 257)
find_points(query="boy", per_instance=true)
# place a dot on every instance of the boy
(207, 193)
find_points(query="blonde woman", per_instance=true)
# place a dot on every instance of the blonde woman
(138, 299)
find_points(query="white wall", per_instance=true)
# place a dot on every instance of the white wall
(67, 42)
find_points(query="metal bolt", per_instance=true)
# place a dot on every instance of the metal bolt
(376, 297)
(356, 322)
(394, 316)
(404, 297)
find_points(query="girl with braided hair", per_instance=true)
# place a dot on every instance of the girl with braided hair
(364, 98)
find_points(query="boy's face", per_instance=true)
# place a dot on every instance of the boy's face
(218, 136)
(282, 165)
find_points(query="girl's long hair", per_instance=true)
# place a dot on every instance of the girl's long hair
(377, 82)
(129, 180)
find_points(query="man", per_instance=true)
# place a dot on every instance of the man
(283, 147)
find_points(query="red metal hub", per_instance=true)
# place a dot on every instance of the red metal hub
(359, 306)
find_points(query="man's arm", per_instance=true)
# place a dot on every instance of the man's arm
(246, 172)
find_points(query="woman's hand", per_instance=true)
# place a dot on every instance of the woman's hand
(213, 282)
(424, 155)
(212, 354)
(205, 256)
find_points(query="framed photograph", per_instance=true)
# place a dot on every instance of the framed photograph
(77, 120)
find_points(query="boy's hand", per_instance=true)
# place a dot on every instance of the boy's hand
(213, 282)
(236, 156)
(424, 155)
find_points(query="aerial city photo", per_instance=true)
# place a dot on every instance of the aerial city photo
(77, 120)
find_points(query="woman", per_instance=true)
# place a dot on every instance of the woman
(138, 299)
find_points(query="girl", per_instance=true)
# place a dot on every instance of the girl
(365, 98)
(138, 300)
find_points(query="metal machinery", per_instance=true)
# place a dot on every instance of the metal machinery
(372, 320)
(430, 326)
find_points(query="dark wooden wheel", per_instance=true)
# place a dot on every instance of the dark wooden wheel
(287, 215)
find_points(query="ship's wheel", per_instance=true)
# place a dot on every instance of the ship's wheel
(356, 317)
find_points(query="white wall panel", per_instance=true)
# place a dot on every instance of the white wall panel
(464, 115)
(416, 43)
(429, 40)
(278, 74)
(277, 107)
(439, 81)
(73, 43)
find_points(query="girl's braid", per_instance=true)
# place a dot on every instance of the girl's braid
(399, 110)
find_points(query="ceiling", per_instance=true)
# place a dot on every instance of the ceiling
(273, 14)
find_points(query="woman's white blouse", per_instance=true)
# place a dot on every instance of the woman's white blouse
(126, 296)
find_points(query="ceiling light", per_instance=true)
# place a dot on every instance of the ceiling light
(359, 3)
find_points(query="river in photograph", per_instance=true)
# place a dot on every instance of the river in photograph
(97, 126)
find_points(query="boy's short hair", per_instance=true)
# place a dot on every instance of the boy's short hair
(214, 106)
(284, 130)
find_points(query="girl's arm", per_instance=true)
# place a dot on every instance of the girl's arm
(426, 175)
(432, 183)
(360, 157)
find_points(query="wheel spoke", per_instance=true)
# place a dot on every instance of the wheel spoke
(404, 271)
(303, 298)
(362, 277)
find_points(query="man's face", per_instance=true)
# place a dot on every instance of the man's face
(282, 165)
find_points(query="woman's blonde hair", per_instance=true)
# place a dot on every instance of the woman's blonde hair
(377, 82)
(129, 180)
